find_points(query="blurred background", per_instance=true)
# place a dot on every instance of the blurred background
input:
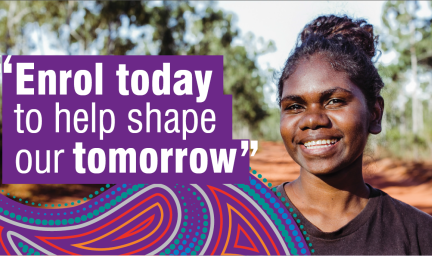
(255, 39)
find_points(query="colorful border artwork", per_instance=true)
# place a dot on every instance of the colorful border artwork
(157, 219)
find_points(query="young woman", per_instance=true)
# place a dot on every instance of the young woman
(329, 94)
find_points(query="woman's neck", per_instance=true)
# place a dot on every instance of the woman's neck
(330, 201)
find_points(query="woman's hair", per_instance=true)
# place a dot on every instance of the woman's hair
(348, 45)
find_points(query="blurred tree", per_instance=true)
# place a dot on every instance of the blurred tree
(408, 36)
(141, 27)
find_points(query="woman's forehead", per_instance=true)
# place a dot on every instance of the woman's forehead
(315, 75)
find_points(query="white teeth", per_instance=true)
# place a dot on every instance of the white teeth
(320, 143)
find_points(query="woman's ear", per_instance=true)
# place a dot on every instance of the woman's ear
(376, 116)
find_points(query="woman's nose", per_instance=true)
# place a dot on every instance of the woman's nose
(314, 120)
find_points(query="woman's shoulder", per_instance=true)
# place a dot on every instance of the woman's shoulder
(408, 213)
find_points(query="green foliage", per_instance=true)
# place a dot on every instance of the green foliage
(407, 34)
(143, 27)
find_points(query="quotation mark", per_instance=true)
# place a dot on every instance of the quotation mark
(253, 146)
(7, 67)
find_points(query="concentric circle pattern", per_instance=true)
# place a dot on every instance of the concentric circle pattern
(159, 219)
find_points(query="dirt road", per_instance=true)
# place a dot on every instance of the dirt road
(407, 181)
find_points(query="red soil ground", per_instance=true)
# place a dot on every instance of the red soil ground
(409, 182)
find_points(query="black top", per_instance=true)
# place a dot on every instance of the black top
(385, 226)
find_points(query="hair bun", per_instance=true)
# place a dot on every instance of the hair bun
(357, 32)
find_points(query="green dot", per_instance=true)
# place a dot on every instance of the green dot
(200, 242)
(269, 185)
(291, 245)
(204, 210)
(58, 222)
(18, 217)
(204, 230)
(182, 197)
(185, 223)
(203, 236)
(25, 219)
(59, 205)
(71, 221)
(107, 185)
(186, 217)
(261, 201)
(291, 210)
(64, 221)
(307, 238)
(37, 253)
(283, 199)
(31, 220)
(312, 250)
(287, 239)
(91, 195)
(6, 212)
(72, 203)
(254, 172)
(135, 188)
(118, 199)
(130, 191)
(199, 198)
(278, 222)
(184, 204)
(172, 247)
(205, 216)
(197, 248)
(38, 221)
(44, 222)
(25, 248)
(167, 251)
(286, 204)
(205, 223)
(12, 215)
(51, 222)
(102, 189)
(294, 215)
(183, 230)
(304, 233)
(281, 227)
(66, 204)
(20, 244)
(124, 194)
(193, 253)
(259, 176)
(186, 210)
(285, 233)
(310, 244)
(31, 251)
(83, 218)
(265, 180)
(77, 220)
(301, 227)
(202, 204)
(180, 236)
(113, 202)
(89, 215)
(107, 206)
(176, 241)
(294, 251)
(96, 192)
(265, 206)
(273, 189)
(85, 198)
(193, 193)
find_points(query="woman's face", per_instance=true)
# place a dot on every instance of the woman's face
(325, 121)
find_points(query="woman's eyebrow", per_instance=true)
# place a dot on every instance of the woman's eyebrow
(292, 98)
(329, 92)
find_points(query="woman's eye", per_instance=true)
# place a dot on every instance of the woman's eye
(294, 108)
(335, 102)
